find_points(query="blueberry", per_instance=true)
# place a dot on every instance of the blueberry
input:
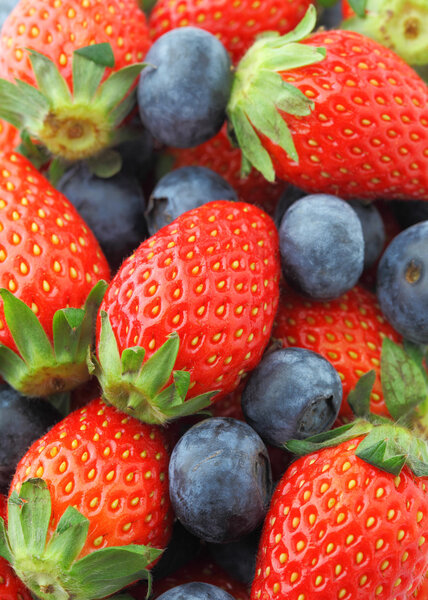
(332, 16)
(373, 231)
(220, 479)
(184, 90)
(182, 190)
(292, 393)
(196, 591)
(113, 208)
(322, 246)
(288, 197)
(402, 283)
(22, 422)
(238, 558)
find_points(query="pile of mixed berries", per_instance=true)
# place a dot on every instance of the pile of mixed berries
(213, 300)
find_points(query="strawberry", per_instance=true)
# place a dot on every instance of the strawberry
(11, 588)
(49, 260)
(202, 570)
(9, 136)
(211, 278)
(114, 471)
(422, 591)
(334, 113)
(236, 24)
(350, 521)
(219, 155)
(81, 125)
(347, 331)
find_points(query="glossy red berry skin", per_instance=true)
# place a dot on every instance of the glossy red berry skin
(236, 24)
(11, 588)
(367, 134)
(112, 468)
(341, 528)
(56, 29)
(211, 276)
(48, 256)
(347, 331)
(220, 156)
(9, 137)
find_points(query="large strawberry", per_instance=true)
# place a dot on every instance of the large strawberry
(93, 523)
(335, 113)
(236, 24)
(11, 588)
(219, 155)
(211, 278)
(49, 260)
(347, 331)
(79, 125)
(350, 521)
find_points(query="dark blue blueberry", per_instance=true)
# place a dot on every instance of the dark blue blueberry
(184, 189)
(292, 394)
(410, 212)
(373, 231)
(22, 422)
(332, 16)
(184, 91)
(182, 548)
(220, 480)
(402, 283)
(238, 558)
(137, 152)
(196, 591)
(113, 208)
(322, 246)
(288, 197)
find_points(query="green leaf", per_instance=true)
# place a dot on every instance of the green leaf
(35, 515)
(374, 454)
(190, 406)
(327, 3)
(122, 110)
(99, 54)
(181, 382)
(334, 437)
(113, 90)
(51, 83)
(68, 539)
(403, 384)
(359, 7)
(109, 570)
(359, 397)
(292, 56)
(132, 360)
(5, 550)
(15, 533)
(304, 27)
(108, 351)
(157, 370)
(90, 308)
(66, 333)
(386, 447)
(26, 104)
(87, 76)
(12, 367)
(57, 169)
(61, 401)
(29, 336)
(250, 144)
(105, 165)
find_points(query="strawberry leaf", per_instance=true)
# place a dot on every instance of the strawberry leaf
(99, 54)
(330, 438)
(359, 7)
(5, 550)
(35, 514)
(68, 539)
(359, 397)
(51, 83)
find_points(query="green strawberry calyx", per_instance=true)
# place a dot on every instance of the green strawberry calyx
(51, 568)
(140, 388)
(75, 125)
(388, 444)
(41, 368)
(260, 97)
(401, 25)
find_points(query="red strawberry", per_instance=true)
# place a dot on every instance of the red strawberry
(114, 471)
(57, 29)
(347, 10)
(347, 331)
(50, 260)
(219, 155)
(236, 24)
(351, 119)
(341, 528)
(348, 520)
(75, 118)
(202, 570)
(9, 137)
(422, 591)
(211, 277)
(11, 588)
